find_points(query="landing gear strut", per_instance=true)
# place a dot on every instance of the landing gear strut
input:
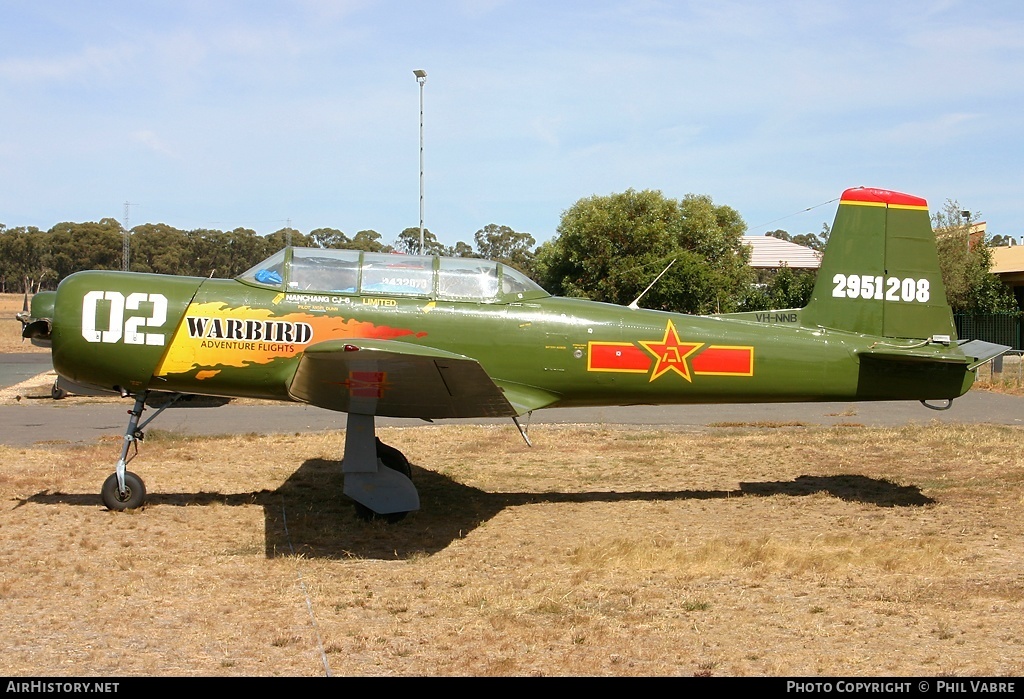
(377, 476)
(124, 490)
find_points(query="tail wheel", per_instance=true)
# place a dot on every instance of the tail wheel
(134, 492)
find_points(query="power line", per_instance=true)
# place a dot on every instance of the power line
(797, 213)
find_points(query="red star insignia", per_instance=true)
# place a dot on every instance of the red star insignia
(366, 384)
(671, 353)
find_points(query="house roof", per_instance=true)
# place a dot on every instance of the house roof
(1008, 264)
(1008, 259)
(767, 252)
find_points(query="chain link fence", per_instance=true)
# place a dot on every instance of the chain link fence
(1000, 328)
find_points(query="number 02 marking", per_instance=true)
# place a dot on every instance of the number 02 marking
(117, 326)
(878, 288)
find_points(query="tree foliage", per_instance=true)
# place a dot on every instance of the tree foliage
(781, 288)
(328, 238)
(33, 259)
(808, 240)
(609, 248)
(965, 260)
(368, 240)
(503, 244)
(22, 265)
(94, 245)
(409, 242)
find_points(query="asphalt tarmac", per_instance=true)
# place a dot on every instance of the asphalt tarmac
(44, 419)
(15, 368)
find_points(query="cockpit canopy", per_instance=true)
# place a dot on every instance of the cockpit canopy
(354, 272)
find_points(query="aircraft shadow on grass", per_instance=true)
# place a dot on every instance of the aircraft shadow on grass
(309, 516)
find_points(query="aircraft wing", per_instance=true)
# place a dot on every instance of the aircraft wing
(399, 379)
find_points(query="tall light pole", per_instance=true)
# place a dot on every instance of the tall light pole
(126, 240)
(421, 77)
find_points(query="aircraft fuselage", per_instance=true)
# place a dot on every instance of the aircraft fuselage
(228, 338)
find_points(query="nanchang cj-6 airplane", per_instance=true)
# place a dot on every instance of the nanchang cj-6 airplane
(433, 337)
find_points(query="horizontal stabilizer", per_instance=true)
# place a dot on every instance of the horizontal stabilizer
(909, 355)
(982, 352)
(973, 353)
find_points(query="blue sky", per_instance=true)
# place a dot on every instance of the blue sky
(221, 114)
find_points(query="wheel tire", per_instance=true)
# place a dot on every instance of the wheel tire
(134, 497)
(56, 392)
(393, 459)
(396, 461)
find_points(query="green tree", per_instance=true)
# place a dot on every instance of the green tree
(965, 260)
(812, 241)
(502, 244)
(369, 240)
(808, 240)
(328, 238)
(22, 252)
(284, 237)
(780, 288)
(208, 253)
(247, 248)
(609, 248)
(159, 248)
(77, 246)
(461, 249)
(409, 242)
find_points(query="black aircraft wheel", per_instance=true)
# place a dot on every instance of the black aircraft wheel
(56, 392)
(396, 461)
(134, 495)
(393, 459)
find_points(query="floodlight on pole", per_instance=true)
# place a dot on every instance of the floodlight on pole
(421, 77)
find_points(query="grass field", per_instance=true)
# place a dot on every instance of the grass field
(738, 551)
(743, 549)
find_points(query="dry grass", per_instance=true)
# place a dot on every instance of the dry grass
(1011, 385)
(1009, 380)
(738, 551)
(10, 328)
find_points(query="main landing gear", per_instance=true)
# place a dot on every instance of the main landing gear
(377, 476)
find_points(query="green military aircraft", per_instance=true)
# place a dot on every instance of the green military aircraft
(434, 337)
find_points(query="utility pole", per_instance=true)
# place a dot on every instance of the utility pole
(126, 240)
(421, 77)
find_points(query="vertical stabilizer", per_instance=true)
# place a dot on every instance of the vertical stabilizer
(880, 271)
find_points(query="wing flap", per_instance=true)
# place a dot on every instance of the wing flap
(396, 379)
(526, 398)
